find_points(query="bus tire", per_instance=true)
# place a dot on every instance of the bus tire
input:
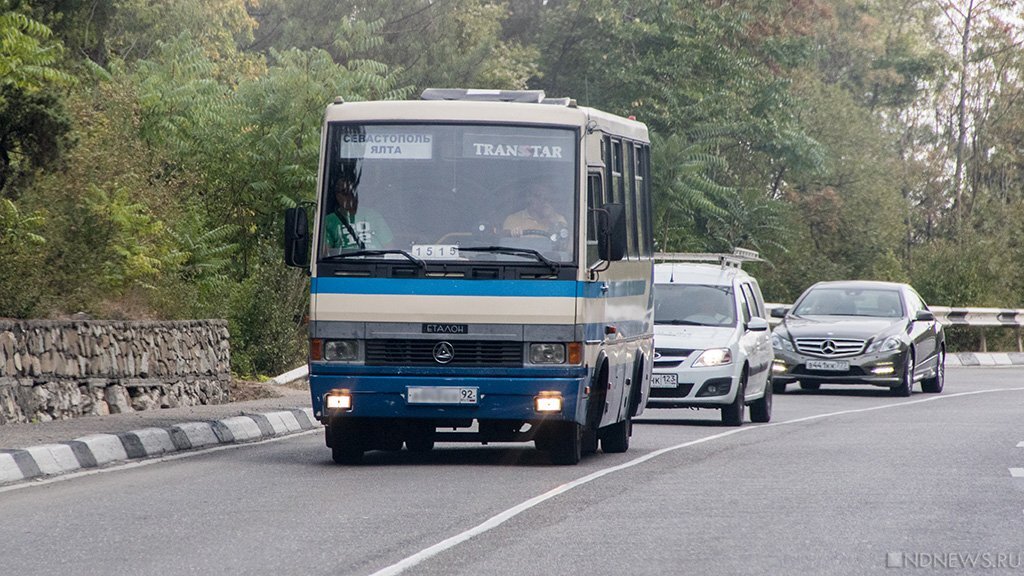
(348, 442)
(567, 443)
(636, 389)
(615, 438)
(419, 444)
(420, 438)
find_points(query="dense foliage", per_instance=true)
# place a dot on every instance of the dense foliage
(147, 148)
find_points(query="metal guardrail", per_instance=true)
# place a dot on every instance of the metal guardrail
(953, 316)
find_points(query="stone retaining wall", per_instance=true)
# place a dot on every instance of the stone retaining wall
(62, 369)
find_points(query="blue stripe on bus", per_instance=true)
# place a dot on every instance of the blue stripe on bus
(450, 287)
(444, 287)
(616, 289)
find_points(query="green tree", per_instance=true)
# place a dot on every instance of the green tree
(20, 274)
(33, 124)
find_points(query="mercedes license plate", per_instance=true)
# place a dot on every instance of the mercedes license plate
(441, 395)
(828, 365)
(664, 380)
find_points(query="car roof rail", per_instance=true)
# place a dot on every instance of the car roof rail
(733, 260)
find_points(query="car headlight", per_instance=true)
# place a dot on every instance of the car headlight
(341, 350)
(887, 345)
(782, 343)
(714, 357)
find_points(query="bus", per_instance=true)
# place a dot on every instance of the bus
(481, 270)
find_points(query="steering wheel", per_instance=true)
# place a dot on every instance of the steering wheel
(536, 232)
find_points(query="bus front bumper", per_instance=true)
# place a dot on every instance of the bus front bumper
(511, 395)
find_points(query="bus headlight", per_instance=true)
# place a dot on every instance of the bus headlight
(547, 353)
(341, 350)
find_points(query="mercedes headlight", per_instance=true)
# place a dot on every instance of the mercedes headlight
(780, 342)
(885, 345)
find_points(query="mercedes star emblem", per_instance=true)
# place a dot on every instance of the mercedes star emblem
(827, 347)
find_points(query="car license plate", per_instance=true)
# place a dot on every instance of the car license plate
(436, 251)
(828, 365)
(440, 395)
(664, 380)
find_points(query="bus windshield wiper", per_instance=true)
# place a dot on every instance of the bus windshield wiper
(513, 251)
(343, 255)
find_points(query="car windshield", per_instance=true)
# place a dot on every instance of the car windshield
(872, 302)
(449, 192)
(694, 305)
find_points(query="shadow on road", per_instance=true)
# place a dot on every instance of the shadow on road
(455, 455)
(841, 391)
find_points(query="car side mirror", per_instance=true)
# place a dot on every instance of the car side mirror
(296, 237)
(779, 312)
(757, 324)
(924, 316)
(611, 243)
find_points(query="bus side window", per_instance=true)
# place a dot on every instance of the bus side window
(629, 199)
(595, 199)
(640, 187)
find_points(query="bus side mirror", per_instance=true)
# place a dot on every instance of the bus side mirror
(296, 237)
(612, 238)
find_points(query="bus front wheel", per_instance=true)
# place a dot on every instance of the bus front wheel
(566, 443)
(347, 440)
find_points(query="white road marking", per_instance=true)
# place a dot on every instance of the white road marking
(1017, 472)
(1021, 445)
(507, 515)
(147, 462)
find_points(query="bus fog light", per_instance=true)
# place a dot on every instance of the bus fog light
(548, 402)
(338, 400)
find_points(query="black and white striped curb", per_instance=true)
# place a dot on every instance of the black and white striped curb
(96, 450)
(985, 359)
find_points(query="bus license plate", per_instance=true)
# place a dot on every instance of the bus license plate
(664, 380)
(440, 395)
(828, 365)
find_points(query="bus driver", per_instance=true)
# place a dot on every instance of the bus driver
(539, 218)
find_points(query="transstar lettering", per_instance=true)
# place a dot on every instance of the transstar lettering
(517, 150)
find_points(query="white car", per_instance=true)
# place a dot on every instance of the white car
(711, 338)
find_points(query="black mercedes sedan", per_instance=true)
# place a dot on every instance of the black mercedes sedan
(859, 332)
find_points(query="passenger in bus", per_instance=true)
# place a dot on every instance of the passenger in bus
(349, 227)
(539, 218)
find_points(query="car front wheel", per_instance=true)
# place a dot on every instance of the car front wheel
(732, 415)
(906, 387)
(761, 409)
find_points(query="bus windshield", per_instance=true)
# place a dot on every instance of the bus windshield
(449, 192)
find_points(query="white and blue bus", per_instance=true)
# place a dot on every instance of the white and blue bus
(481, 271)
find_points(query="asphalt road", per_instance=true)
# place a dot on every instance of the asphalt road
(843, 481)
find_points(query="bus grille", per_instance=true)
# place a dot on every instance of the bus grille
(421, 353)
